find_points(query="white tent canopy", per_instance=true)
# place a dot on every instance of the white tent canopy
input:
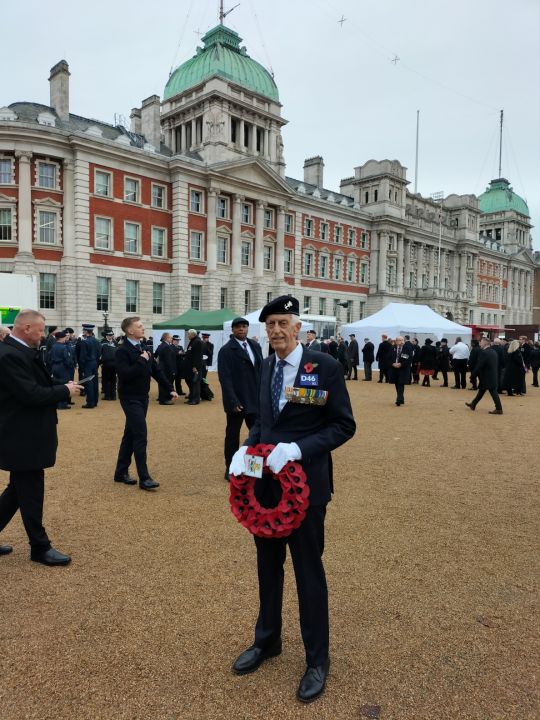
(257, 329)
(418, 321)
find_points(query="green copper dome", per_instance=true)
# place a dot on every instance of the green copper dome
(499, 197)
(222, 56)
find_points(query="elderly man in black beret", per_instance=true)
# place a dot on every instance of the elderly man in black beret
(305, 431)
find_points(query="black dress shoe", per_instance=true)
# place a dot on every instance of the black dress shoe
(50, 557)
(192, 402)
(148, 484)
(126, 479)
(313, 683)
(167, 402)
(495, 412)
(250, 659)
(88, 407)
(470, 405)
(5, 549)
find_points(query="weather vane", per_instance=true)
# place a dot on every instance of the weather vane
(342, 20)
(223, 13)
(395, 59)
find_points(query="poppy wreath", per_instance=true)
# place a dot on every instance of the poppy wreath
(279, 521)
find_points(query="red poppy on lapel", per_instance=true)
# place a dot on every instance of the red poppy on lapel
(310, 367)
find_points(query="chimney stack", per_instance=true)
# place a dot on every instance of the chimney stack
(135, 117)
(59, 81)
(150, 121)
(313, 171)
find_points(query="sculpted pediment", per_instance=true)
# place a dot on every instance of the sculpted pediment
(252, 171)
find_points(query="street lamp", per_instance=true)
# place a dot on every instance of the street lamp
(105, 324)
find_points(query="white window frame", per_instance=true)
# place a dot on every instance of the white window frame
(163, 189)
(223, 297)
(222, 207)
(13, 223)
(288, 261)
(136, 296)
(268, 219)
(197, 256)
(162, 298)
(364, 241)
(137, 181)
(110, 236)
(163, 231)
(351, 270)
(223, 242)
(308, 227)
(196, 205)
(289, 223)
(308, 263)
(246, 244)
(322, 306)
(55, 166)
(364, 276)
(306, 305)
(100, 296)
(338, 233)
(324, 229)
(109, 175)
(44, 306)
(338, 263)
(268, 257)
(249, 207)
(351, 237)
(195, 298)
(324, 264)
(11, 179)
(137, 251)
(54, 211)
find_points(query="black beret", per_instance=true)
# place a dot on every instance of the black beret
(69, 330)
(429, 341)
(239, 321)
(283, 305)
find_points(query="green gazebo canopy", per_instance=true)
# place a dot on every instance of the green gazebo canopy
(198, 319)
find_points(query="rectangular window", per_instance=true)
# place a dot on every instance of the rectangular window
(158, 196)
(351, 237)
(363, 273)
(103, 183)
(308, 263)
(364, 241)
(131, 237)
(223, 297)
(131, 190)
(195, 201)
(338, 233)
(411, 279)
(338, 268)
(307, 304)
(196, 294)
(268, 297)
(102, 233)
(323, 266)
(268, 218)
(47, 290)
(47, 227)
(6, 173)
(158, 242)
(289, 223)
(103, 293)
(351, 271)
(350, 311)
(222, 207)
(268, 257)
(132, 295)
(47, 175)
(223, 250)
(324, 231)
(308, 227)
(322, 306)
(247, 213)
(196, 246)
(157, 298)
(288, 260)
(247, 301)
(335, 307)
(5, 224)
(246, 253)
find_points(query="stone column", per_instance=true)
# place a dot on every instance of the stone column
(431, 266)
(253, 139)
(211, 236)
(193, 134)
(24, 224)
(241, 134)
(406, 261)
(68, 224)
(383, 246)
(259, 229)
(236, 249)
(462, 272)
(374, 260)
(182, 137)
(400, 268)
(280, 244)
(265, 142)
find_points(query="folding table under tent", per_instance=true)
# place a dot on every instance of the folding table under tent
(418, 321)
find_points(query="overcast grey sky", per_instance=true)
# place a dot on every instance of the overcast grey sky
(459, 63)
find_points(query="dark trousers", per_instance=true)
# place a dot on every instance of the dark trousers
(535, 376)
(460, 373)
(352, 368)
(494, 395)
(306, 546)
(134, 441)
(232, 433)
(25, 492)
(367, 371)
(92, 387)
(400, 393)
(383, 374)
(178, 384)
(108, 382)
(194, 385)
(163, 394)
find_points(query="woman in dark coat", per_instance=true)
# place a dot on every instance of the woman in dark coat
(514, 369)
(342, 356)
(473, 359)
(415, 366)
(428, 361)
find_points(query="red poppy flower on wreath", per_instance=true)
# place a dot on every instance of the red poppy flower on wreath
(290, 511)
(310, 367)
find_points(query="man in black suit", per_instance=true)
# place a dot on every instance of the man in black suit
(134, 367)
(353, 357)
(312, 342)
(384, 352)
(400, 369)
(239, 369)
(487, 371)
(368, 357)
(28, 439)
(193, 362)
(179, 368)
(108, 366)
(208, 353)
(300, 431)
(165, 355)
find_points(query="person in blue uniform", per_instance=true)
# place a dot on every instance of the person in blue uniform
(135, 366)
(239, 370)
(61, 365)
(89, 355)
(400, 368)
(108, 366)
(307, 433)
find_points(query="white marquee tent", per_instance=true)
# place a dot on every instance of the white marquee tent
(418, 321)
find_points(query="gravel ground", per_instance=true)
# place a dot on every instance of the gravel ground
(431, 557)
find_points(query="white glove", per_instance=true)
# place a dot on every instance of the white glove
(281, 455)
(238, 463)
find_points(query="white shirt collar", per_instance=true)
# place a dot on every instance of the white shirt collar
(19, 340)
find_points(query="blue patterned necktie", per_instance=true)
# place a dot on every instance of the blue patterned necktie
(277, 382)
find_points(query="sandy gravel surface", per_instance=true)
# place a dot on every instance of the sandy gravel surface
(431, 555)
